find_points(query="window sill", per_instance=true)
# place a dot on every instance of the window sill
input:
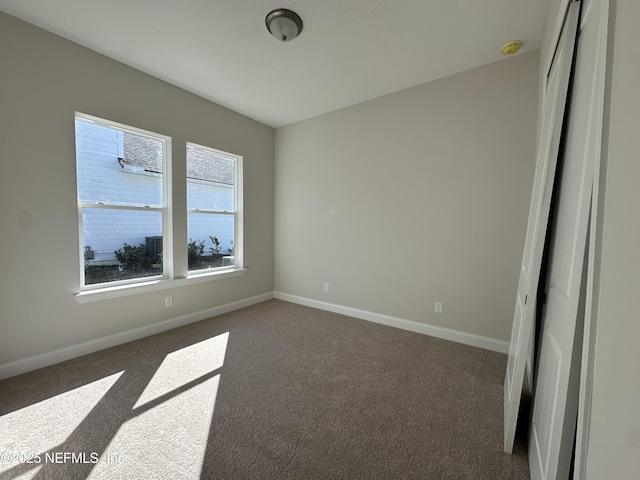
(154, 285)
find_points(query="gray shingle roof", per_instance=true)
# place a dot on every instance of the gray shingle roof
(207, 165)
(146, 153)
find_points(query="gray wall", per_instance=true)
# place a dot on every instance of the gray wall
(43, 80)
(412, 198)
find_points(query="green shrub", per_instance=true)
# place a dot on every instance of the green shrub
(195, 249)
(133, 256)
(215, 250)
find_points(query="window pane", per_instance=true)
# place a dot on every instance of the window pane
(203, 230)
(210, 180)
(107, 231)
(118, 167)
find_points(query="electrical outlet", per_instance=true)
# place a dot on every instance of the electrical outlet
(168, 301)
(326, 287)
(438, 308)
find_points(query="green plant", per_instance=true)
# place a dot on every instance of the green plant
(195, 249)
(215, 250)
(133, 256)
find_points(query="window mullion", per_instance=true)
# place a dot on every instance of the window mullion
(210, 212)
(122, 207)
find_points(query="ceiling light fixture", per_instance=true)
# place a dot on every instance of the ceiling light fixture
(511, 47)
(283, 24)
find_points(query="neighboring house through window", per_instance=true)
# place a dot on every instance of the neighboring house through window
(124, 197)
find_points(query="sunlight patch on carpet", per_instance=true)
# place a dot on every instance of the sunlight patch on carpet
(184, 366)
(43, 426)
(170, 438)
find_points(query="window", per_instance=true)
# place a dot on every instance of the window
(123, 184)
(125, 217)
(213, 208)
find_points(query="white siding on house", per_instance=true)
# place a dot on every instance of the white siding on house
(106, 231)
(201, 226)
(210, 196)
(205, 195)
(101, 178)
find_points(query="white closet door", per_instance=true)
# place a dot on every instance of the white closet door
(548, 147)
(556, 397)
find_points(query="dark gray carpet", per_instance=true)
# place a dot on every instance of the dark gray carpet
(273, 391)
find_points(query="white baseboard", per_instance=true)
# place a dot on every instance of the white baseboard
(439, 332)
(34, 362)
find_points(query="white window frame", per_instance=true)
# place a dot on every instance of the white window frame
(237, 213)
(109, 290)
(165, 210)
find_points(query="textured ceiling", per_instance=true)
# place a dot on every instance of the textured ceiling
(349, 50)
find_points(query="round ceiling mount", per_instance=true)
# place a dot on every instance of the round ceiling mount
(283, 24)
(511, 47)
